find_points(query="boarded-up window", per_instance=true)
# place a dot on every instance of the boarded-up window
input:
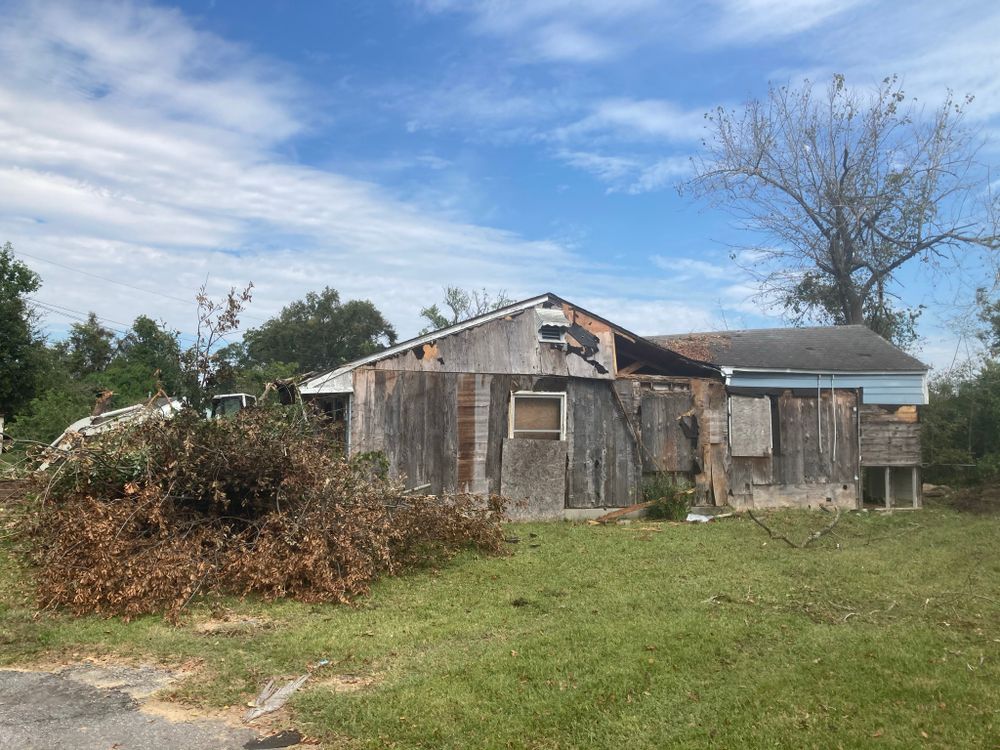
(751, 425)
(541, 416)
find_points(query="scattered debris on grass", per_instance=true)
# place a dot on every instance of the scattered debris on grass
(621, 512)
(285, 738)
(272, 698)
(804, 543)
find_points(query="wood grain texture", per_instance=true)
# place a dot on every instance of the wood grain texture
(889, 437)
(534, 478)
(665, 446)
(508, 345)
(751, 425)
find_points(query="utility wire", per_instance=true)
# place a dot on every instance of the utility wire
(69, 312)
(119, 283)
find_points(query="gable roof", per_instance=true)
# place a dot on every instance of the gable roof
(853, 348)
(323, 382)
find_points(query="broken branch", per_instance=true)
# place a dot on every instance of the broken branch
(796, 545)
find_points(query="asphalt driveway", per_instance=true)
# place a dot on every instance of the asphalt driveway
(73, 710)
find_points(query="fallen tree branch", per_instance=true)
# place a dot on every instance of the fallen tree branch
(796, 545)
(616, 514)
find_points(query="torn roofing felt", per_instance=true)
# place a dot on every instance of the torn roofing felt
(325, 382)
(853, 348)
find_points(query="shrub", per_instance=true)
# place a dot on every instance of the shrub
(154, 514)
(670, 496)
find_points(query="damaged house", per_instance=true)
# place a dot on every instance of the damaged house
(549, 404)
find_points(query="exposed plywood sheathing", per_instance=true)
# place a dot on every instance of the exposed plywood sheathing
(750, 419)
(534, 478)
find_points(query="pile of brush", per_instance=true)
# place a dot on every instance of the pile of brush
(151, 515)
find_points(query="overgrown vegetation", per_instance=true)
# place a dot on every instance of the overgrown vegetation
(149, 516)
(670, 496)
(960, 433)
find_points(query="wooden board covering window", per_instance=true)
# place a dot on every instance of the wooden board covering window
(538, 417)
(751, 426)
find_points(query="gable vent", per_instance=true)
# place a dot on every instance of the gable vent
(550, 333)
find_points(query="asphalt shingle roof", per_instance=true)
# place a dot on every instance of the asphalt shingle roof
(822, 349)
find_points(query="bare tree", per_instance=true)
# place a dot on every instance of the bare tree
(847, 188)
(462, 305)
(216, 319)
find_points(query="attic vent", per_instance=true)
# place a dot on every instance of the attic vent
(552, 334)
(552, 325)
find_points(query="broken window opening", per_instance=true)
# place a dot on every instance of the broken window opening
(537, 415)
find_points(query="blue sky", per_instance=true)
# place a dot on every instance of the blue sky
(388, 149)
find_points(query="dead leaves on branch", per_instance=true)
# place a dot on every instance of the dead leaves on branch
(152, 516)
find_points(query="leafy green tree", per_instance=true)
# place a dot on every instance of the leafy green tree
(846, 189)
(20, 343)
(319, 332)
(148, 357)
(462, 305)
(89, 348)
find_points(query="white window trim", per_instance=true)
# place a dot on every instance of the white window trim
(561, 395)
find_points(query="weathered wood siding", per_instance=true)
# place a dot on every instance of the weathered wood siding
(815, 455)
(511, 345)
(604, 466)
(890, 437)
(681, 427)
(449, 430)
(666, 446)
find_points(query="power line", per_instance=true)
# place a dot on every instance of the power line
(119, 283)
(69, 312)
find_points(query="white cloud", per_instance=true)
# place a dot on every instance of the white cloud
(570, 31)
(138, 148)
(629, 174)
(692, 269)
(746, 21)
(639, 119)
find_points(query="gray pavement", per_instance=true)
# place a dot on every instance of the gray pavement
(61, 711)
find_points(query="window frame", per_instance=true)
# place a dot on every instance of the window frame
(515, 395)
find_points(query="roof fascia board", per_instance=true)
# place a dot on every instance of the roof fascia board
(731, 369)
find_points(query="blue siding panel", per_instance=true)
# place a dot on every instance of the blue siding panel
(893, 389)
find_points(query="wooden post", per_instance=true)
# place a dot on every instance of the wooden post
(917, 500)
(888, 487)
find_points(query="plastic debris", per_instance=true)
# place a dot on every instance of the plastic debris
(271, 699)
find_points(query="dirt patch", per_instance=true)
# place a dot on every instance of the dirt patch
(347, 683)
(136, 682)
(233, 626)
(983, 500)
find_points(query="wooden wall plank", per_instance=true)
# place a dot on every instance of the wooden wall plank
(665, 446)
(889, 437)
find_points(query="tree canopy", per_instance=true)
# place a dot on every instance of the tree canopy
(19, 342)
(319, 332)
(845, 188)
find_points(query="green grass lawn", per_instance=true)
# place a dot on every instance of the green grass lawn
(884, 634)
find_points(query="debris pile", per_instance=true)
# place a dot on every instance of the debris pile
(150, 515)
